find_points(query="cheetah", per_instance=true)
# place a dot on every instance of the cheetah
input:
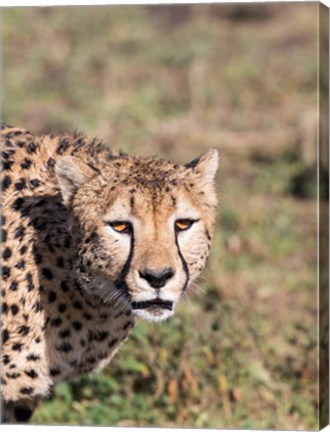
(91, 239)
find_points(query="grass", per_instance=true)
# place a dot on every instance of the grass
(173, 81)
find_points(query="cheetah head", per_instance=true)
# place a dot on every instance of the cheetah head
(142, 228)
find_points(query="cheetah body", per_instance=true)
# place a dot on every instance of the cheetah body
(61, 314)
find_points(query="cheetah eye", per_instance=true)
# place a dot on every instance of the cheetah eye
(121, 227)
(184, 224)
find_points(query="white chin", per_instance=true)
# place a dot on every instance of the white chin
(154, 315)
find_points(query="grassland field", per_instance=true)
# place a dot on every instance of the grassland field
(172, 81)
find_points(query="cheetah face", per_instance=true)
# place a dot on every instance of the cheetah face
(142, 228)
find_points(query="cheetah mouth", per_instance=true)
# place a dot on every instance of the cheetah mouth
(153, 304)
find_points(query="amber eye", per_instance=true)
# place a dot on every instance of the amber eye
(121, 227)
(183, 224)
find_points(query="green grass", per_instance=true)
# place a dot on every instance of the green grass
(241, 350)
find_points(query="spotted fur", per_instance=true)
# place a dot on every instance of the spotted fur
(71, 282)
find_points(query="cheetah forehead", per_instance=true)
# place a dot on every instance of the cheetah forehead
(136, 203)
(146, 172)
(138, 186)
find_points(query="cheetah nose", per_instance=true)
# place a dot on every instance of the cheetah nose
(157, 278)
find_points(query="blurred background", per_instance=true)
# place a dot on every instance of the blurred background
(173, 81)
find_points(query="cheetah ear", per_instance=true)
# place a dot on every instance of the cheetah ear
(206, 165)
(71, 173)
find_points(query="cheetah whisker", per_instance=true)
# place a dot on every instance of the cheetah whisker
(197, 288)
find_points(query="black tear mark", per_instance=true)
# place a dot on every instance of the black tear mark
(120, 282)
(184, 264)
